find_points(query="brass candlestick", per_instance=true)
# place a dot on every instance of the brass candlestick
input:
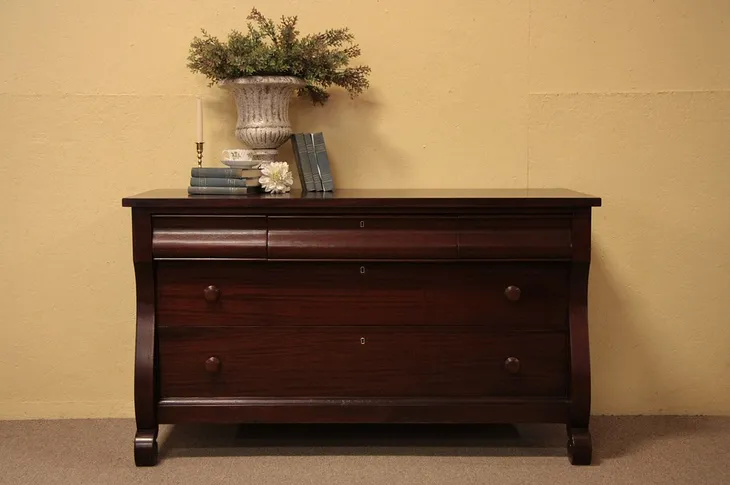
(199, 149)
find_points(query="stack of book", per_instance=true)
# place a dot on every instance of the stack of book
(224, 181)
(312, 162)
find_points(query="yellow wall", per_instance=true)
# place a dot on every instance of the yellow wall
(625, 99)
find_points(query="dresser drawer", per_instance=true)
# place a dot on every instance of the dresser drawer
(359, 362)
(200, 293)
(209, 237)
(504, 296)
(544, 237)
(514, 296)
(362, 238)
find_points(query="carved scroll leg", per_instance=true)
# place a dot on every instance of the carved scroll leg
(145, 447)
(580, 449)
(145, 365)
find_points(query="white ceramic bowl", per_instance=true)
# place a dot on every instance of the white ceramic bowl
(237, 155)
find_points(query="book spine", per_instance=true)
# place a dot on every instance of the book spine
(298, 161)
(304, 157)
(222, 190)
(217, 182)
(210, 172)
(323, 162)
(309, 140)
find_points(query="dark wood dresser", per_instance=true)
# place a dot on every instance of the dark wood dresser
(362, 306)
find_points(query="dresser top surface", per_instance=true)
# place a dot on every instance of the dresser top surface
(370, 198)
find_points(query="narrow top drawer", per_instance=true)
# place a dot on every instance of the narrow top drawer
(209, 237)
(362, 238)
(515, 237)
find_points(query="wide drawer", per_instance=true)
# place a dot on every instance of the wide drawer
(359, 362)
(209, 237)
(505, 296)
(362, 238)
(523, 237)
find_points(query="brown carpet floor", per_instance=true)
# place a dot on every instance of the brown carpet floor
(627, 450)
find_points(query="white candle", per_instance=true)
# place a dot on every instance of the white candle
(199, 123)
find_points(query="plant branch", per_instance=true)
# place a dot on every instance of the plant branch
(268, 48)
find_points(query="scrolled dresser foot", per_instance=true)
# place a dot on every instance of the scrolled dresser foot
(580, 448)
(145, 447)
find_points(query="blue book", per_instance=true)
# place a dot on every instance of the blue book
(323, 162)
(217, 182)
(232, 173)
(309, 142)
(223, 190)
(300, 153)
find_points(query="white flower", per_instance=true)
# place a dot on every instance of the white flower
(276, 177)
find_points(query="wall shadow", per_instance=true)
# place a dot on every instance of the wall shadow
(357, 149)
(622, 371)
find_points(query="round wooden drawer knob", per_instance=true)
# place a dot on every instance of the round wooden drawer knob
(211, 294)
(512, 293)
(213, 365)
(512, 365)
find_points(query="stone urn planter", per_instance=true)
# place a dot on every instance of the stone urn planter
(263, 111)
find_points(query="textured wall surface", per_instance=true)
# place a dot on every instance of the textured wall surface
(625, 99)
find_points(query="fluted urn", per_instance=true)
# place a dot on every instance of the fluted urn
(263, 109)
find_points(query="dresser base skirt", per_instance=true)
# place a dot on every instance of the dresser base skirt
(326, 410)
(422, 411)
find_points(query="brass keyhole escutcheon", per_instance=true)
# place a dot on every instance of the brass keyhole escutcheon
(362, 269)
(362, 224)
(362, 340)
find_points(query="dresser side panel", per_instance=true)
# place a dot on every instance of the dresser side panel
(580, 362)
(145, 386)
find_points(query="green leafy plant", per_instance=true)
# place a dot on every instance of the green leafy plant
(270, 49)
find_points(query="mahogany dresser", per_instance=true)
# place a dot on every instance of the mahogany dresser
(362, 306)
